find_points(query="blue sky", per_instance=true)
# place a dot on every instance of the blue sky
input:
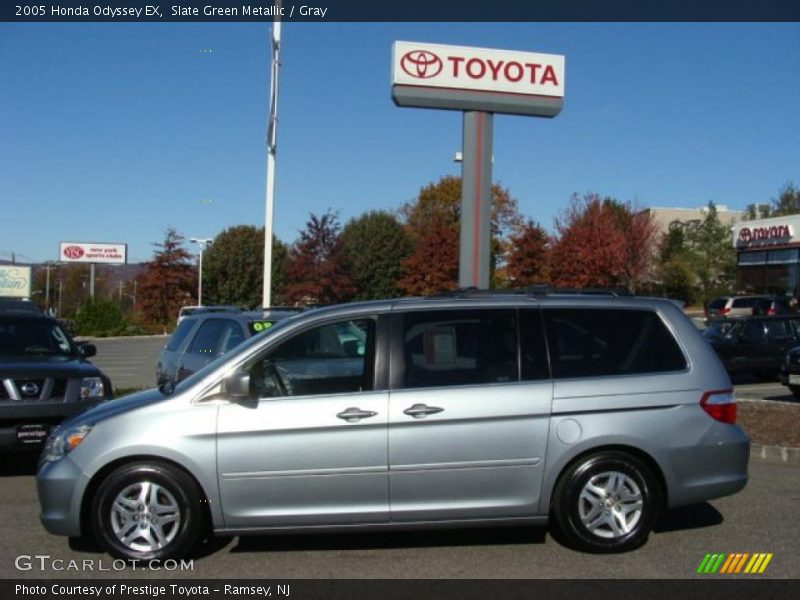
(113, 132)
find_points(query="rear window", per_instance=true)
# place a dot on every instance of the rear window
(598, 342)
(744, 302)
(717, 303)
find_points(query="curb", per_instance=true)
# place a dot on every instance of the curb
(781, 453)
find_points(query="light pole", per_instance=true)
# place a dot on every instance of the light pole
(202, 243)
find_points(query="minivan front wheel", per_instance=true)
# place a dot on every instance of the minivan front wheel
(606, 502)
(147, 512)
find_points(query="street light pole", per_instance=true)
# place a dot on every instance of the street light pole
(202, 243)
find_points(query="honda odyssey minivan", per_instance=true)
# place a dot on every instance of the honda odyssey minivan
(589, 412)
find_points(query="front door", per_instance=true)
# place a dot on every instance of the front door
(311, 447)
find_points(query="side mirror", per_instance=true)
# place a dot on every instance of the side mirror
(236, 385)
(87, 350)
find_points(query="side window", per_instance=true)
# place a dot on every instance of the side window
(597, 342)
(334, 358)
(206, 340)
(180, 334)
(534, 354)
(450, 348)
(753, 331)
(231, 336)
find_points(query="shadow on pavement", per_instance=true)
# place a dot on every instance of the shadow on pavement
(689, 517)
(393, 539)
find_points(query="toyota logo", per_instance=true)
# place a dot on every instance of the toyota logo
(745, 235)
(29, 389)
(421, 64)
(73, 251)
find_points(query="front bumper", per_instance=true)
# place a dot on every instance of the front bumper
(59, 484)
(12, 416)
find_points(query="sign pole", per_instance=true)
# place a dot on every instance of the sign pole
(476, 200)
(91, 281)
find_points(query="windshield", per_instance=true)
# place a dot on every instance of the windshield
(230, 356)
(34, 338)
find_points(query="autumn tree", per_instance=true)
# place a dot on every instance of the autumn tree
(602, 243)
(528, 256)
(376, 245)
(233, 267)
(169, 280)
(317, 271)
(433, 265)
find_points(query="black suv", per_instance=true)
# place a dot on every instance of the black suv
(44, 378)
(755, 344)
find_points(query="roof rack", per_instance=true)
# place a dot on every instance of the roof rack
(532, 290)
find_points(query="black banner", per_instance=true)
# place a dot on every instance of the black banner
(374, 589)
(401, 10)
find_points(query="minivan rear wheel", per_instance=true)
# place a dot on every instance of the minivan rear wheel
(606, 502)
(147, 511)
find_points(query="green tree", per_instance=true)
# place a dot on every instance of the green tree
(376, 245)
(233, 267)
(101, 317)
(787, 202)
(168, 282)
(711, 255)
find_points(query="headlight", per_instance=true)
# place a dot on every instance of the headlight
(61, 442)
(92, 387)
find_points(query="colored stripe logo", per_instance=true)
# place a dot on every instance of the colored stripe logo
(732, 564)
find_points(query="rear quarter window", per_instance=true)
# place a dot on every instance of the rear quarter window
(600, 342)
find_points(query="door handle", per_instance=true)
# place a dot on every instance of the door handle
(354, 415)
(420, 411)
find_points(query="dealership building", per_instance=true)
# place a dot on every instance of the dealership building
(768, 255)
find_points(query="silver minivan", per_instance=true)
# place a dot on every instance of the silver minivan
(590, 412)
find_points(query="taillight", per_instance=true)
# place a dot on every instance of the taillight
(720, 405)
(724, 310)
(772, 311)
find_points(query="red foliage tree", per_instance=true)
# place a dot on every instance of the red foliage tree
(316, 270)
(602, 243)
(169, 280)
(528, 256)
(433, 265)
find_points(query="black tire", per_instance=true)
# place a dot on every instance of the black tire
(179, 530)
(568, 505)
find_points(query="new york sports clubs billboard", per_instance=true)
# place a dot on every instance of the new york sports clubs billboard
(88, 252)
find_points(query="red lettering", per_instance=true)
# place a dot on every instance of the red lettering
(471, 72)
(516, 66)
(455, 60)
(532, 67)
(549, 76)
(495, 68)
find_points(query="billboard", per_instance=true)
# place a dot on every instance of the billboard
(465, 78)
(90, 252)
(15, 281)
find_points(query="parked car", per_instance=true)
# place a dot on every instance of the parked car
(746, 306)
(204, 336)
(44, 378)
(790, 371)
(591, 412)
(18, 305)
(755, 344)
